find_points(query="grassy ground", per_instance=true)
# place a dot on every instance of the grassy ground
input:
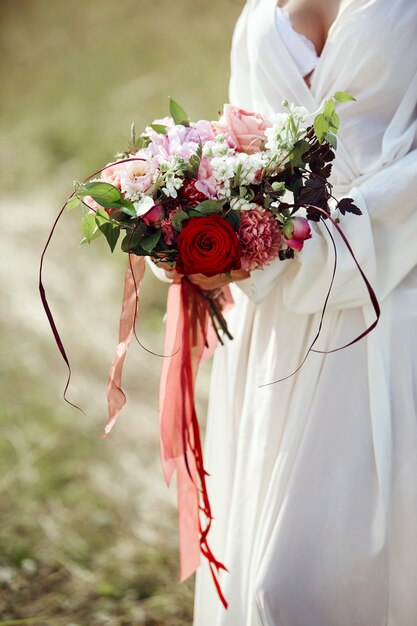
(88, 528)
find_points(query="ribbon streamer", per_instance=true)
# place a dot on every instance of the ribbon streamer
(116, 398)
(188, 336)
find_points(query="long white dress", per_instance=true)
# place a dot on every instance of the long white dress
(313, 481)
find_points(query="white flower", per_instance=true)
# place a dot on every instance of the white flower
(241, 204)
(171, 186)
(217, 148)
(143, 205)
(300, 113)
(224, 167)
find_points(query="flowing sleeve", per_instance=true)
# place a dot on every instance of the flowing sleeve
(384, 240)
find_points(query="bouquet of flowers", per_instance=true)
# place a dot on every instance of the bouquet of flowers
(208, 196)
(205, 197)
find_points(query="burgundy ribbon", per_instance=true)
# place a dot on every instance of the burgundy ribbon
(42, 291)
(371, 292)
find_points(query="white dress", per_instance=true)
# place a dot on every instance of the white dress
(313, 481)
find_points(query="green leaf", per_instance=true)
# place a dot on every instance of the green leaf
(332, 139)
(178, 218)
(250, 194)
(72, 203)
(321, 126)
(194, 162)
(127, 207)
(105, 194)
(334, 122)
(343, 96)
(329, 109)
(133, 239)
(88, 226)
(148, 243)
(159, 128)
(209, 206)
(111, 233)
(233, 217)
(97, 233)
(296, 156)
(177, 113)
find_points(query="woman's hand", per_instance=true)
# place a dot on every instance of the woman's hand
(214, 283)
(170, 271)
(206, 283)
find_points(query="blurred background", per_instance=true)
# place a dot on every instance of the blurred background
(88, 530)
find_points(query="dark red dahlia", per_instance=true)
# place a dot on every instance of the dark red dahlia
(189, 192)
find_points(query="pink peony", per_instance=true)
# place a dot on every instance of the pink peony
(180, 141)
(260, 238)
(201, 131)
(296, 231)
(206, 183)
(246, 129)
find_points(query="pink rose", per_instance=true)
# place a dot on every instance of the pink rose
(245, 128)
(296, 231)
(154, 215)
(112, 175)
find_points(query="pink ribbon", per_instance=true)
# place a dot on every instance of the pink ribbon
(188, 338)
(116, 398)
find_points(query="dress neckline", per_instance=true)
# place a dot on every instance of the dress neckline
(310, 88)
(303, 38)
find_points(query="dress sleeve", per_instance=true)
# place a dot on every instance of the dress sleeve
(384, 240)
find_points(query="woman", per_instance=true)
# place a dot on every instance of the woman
(313, 481)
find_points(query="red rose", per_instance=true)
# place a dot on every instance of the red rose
(190, 193)
(208, 245)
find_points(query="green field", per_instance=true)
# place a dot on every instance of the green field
(88, 528)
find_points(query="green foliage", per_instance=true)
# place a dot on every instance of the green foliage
(207, 207)
(233, 217)
(159, 128)
(326, 124)
(111, 232)
(195, 160)
(132, 240)
(88, 226)
(321, 127)
(178, 218)
(343, 96)
(72, 203)
(177, 113)
(332, 139)
(105, 194)
(296, 156)
(149, 243)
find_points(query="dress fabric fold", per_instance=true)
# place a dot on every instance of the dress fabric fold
(313, 481)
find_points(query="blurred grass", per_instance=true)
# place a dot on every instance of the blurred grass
(88, 533)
